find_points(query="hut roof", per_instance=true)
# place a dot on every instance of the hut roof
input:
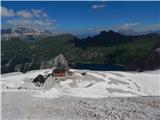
(58, 70)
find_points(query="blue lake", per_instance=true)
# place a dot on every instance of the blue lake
(101, 67)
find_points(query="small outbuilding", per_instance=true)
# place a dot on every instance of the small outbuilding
(61, 72)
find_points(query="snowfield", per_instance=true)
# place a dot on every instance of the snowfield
(86, 95)
(94, 84)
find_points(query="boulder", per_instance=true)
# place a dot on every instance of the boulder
(18, 68)
(60, 61)
(40, 78)
(27, 67)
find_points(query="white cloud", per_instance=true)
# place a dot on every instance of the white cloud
(34, 23)
(131, 24)
(128, 25)
(36, 12)
(39, 13)
(96, 6)
(138, 27)
(135, 26)
(35, 18)
(24, 14)
(154, 27)
(31, 13)
(5, 12)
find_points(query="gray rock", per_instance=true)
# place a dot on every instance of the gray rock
(60, 61)
(22, 105)
(18, 68)
(27, 67)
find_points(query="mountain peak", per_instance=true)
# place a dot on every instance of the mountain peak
(107, 32)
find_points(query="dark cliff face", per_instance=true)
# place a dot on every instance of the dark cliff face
(149, 62)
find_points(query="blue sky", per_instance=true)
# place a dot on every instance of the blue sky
(82, 16)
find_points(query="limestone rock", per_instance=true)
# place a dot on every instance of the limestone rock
(60, 61)
(18, 68)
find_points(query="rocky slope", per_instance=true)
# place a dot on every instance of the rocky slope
(23, 106)
(148, 62)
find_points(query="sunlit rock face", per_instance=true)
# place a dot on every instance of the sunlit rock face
(59, 61)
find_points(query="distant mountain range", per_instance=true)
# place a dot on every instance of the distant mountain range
(30, 34)
(107, 47)
(25, 33)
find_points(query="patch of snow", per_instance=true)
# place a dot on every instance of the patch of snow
(96, 75)
(95, 84)
(149, 80)
(18, 79)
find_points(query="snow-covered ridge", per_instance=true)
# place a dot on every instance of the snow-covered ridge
(24, 31)
(94, 84)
